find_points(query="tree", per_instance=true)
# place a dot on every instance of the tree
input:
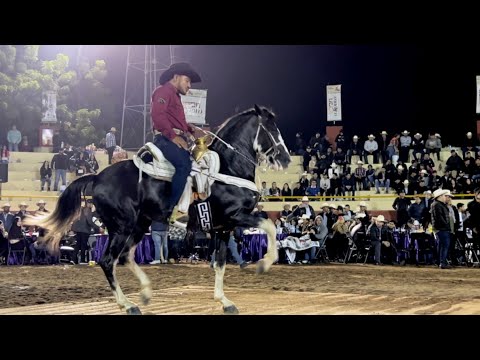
(81, 94)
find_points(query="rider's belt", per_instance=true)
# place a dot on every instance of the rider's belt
(176, 131)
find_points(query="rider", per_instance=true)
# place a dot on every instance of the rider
(172, 133)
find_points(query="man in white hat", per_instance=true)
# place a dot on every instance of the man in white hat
(401, 204)
(23, 210)
(470, 144)
(355, 148)
(378, 233)
(41, 208)
(418, 146)
(441, 224)
(6, 217)
(110, 143)
(371, 148)
(405, 143)
(260, 212)
(303, 209)
(382, 146)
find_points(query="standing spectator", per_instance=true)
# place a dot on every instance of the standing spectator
(441, 224)
(84, 227)
(45, 175)
(160, 241)
(60, 164)
(110, 143)
(6, 217)
(14, 137)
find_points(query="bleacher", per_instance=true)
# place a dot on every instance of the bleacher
(24, 179)
(24, 182)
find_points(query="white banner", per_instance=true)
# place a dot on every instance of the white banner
(195, 106)
(334, 103)
(478, 94)
(49, 106)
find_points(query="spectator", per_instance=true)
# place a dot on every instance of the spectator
(14, 137)
(45, 176)
(110, 144)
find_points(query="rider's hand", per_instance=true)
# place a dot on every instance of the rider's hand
(180, 142)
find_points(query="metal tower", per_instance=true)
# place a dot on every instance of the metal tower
(144, 65)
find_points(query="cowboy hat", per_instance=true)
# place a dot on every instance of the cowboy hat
(113, 129)
(371, 136)
(179, 69)
(305, 198)
(383, 133)
(380, 218)
(23, 203)
(440, 192)
(41, 202)
(363, 203)
(359, 162)
(7, 204)
(324, 205)
(305, 216)
(405, 132)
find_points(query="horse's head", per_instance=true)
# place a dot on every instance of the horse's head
(268, 142)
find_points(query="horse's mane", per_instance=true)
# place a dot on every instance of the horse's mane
(236, 132)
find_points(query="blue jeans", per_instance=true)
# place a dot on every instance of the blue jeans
(443, 246)
(12, 147)
(180, 159)
(232, 245)
(60, 173)
(160, 241)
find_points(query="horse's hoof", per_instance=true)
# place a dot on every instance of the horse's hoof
(230, 310)
(261, 268)
(134, 311)
(146, 295)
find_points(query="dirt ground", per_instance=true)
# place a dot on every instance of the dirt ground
(297, 289)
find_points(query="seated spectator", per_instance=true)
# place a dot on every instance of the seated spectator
(260, 212)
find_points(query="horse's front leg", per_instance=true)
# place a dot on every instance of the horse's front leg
(219, 266)
(271, 256)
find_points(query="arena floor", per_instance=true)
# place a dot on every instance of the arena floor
(298, 289)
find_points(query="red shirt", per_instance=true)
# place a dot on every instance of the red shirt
(167, 111)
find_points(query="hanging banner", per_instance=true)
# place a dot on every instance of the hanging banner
(334, 103)
(49, 107)
(478, 94)
(195, 106)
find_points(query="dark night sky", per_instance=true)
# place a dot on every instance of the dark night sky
(384, 87)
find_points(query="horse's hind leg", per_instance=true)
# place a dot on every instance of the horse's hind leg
(146, 292)
(219, 266)
(108, 264)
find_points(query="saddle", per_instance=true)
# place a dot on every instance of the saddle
(205, 169)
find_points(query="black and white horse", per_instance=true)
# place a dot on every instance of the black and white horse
(127, 206)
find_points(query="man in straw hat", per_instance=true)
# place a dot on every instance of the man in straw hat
(303, 209)
(371, 148)
(110, 143)
(6, 217)
(23, 210)
(441, 224)
(172, 132)
(41, 208)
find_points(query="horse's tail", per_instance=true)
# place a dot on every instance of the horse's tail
(67, 210)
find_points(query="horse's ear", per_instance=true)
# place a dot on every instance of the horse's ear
(258, 111)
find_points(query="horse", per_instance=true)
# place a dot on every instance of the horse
(127, 206)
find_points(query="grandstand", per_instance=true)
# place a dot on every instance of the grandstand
(24, 183)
